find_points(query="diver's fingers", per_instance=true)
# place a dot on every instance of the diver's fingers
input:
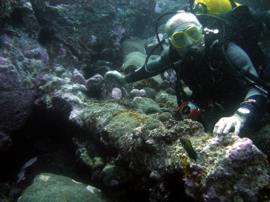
(216, 128)
(228, 127)
(219, 127)
(237, 128)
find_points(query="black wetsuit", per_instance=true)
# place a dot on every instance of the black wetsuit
(245, 27)
(212, 77)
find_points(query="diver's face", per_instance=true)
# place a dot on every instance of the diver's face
(196, 49)
(188, 39)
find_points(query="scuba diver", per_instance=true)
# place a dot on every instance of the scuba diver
(243, 25)
(212, 70)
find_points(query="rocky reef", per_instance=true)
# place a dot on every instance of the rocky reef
(61, 120)
(149, 147)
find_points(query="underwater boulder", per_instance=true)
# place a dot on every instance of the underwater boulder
(133, 45)
(133, 61)
(51, 187)
(133, 54)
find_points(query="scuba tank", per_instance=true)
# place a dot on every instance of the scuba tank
(241, 26)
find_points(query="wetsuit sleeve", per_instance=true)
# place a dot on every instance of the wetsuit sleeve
(155, 67)
(255, 100)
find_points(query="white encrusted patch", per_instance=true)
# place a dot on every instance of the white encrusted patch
(76, 181)
(44, 177)
(91, 189)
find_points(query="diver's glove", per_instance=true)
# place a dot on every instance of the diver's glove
(115, 76)
(227, 124)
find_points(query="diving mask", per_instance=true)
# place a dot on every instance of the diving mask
(187, 37)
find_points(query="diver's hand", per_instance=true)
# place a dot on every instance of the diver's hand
(115, 76)
(226, 124)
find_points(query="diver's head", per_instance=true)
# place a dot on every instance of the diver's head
(185, 33)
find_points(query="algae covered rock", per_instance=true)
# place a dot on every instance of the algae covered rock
(50, 187)
(217, 174)
(145, 105)
(121, 126)
(166, 100)
(229, 169)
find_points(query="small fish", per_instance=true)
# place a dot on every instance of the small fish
(186, 143)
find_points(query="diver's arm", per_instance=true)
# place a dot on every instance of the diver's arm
(153, 68)
(252, 107)
(255, 100)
